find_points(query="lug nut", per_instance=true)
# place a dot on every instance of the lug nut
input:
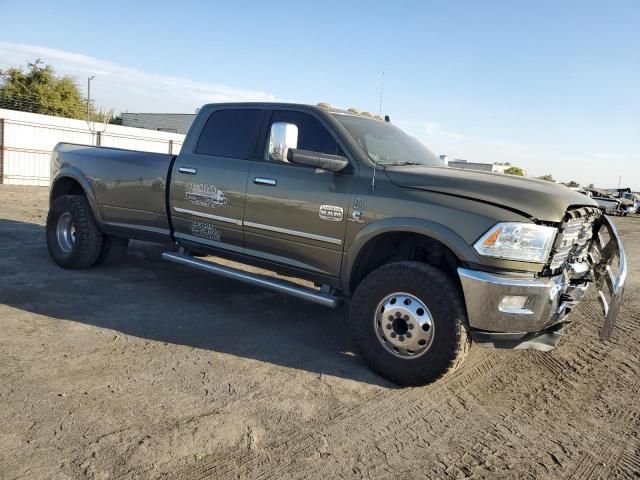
(393, 334)
(408, 334)
(388, 326)
(401, 338)
(390, 318)
(398, 314)
(410, 326)
(406, 317)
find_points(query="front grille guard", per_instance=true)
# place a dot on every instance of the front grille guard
(610, 272)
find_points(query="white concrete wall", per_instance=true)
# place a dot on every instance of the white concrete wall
(29, 139)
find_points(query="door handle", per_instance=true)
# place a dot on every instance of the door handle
(272, 182)
(189, 170)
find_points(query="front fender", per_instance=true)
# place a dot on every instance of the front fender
(436, 231)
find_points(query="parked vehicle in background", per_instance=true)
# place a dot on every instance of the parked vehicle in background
(630, 202)
(607, 202)
(429, 257)
(635, 198)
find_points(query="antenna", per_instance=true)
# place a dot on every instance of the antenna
(373, 178)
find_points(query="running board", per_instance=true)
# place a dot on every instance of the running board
(277, 285)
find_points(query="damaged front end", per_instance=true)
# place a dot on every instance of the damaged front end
(587, 250)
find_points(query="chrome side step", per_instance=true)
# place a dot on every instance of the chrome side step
(277, 285)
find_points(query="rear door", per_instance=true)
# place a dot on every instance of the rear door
(296, 214)
(208, 183)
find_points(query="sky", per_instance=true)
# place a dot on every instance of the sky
(550, 86)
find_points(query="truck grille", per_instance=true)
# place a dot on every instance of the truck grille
(573, 241)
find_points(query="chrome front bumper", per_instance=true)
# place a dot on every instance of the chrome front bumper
(546, 301)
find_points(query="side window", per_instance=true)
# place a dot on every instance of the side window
(298, 130)
(230, 133)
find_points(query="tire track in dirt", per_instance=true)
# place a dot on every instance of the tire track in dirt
(424, 418)
(629, 464)
(592, 360)
(478, 442)
(354, 419)
(605, 453)
(131, 435)
(302, 437)
(587, 358)
(594, 466)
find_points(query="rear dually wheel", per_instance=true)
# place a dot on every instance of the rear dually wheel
(73, 238)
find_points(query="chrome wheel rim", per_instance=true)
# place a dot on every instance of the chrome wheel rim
(65, 232)
(404, 325)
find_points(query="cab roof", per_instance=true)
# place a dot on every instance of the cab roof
(322, 106)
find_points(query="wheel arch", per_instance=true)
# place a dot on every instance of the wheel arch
(404, 239)
(72, 182)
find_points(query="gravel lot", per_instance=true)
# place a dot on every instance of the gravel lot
(152, 370)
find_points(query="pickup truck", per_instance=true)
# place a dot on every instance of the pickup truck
(429, 258)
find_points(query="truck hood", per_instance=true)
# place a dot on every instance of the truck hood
(537, 199)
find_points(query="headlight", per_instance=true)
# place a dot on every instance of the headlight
(525, 242)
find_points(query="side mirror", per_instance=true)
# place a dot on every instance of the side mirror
(333, 163)
(283, 137)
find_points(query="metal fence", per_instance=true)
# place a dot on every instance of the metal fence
(27, 140)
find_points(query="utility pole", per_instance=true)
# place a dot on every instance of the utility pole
(102, 116)
(89, 96)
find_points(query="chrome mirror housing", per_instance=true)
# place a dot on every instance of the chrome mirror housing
(283, 137)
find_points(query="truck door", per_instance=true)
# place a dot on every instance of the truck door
(296, 214)
(208, 182)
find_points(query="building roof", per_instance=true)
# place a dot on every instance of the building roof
(463, 164)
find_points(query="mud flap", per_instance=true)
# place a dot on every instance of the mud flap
(610, 272)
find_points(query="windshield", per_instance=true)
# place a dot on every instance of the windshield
(386, 144)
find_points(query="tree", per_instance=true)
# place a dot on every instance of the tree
(39, 90)
(548, 177)
(514, 171)
(572, 184)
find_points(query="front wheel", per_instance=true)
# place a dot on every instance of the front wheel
(73, 238)
(408, 323)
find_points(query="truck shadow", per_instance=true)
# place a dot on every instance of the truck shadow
(149, 298)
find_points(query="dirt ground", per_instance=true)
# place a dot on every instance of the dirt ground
(152, 370)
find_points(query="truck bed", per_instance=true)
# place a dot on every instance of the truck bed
(130, 187)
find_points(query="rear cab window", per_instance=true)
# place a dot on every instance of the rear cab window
(230, 133)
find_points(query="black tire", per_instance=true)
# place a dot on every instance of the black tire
(113, 250)
(83, 251)
(449, 342)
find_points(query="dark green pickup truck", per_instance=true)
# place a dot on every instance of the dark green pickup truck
(430, 258)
